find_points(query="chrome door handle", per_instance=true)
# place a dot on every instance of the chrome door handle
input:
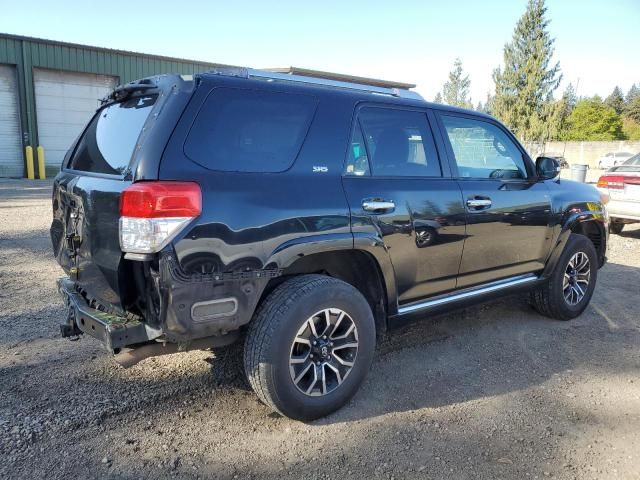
(479, 202)
(378, 205)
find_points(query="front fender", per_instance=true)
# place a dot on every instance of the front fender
(574, 219)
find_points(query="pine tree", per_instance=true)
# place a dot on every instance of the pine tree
(616, 100)
(488, 104)
(455, 91)
(632, 104)
(633, 92)
(560, 113)
(438, 98)
(525, 84)
(632, 110)
(570, 97)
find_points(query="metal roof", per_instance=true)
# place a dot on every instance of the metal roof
(341, 77)
(108, 50)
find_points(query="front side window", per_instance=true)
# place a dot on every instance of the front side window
(241, 130)
(398, 144)
(483, 150)
(108, 142)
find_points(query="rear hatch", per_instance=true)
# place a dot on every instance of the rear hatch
(122, 144)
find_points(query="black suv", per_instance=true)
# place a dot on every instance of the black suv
(306, 216)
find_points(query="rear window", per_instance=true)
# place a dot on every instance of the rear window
(108, 142)
(249, 130)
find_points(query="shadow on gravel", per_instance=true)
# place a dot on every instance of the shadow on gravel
(630, 233)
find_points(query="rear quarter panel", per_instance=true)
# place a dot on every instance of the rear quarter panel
(249, 220)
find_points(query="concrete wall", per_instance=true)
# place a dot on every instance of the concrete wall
(586, 153)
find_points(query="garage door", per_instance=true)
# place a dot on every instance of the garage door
(65, 101)
(11, 162)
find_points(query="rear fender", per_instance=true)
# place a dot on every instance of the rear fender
(289, 252)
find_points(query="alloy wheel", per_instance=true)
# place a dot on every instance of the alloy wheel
(323, 352)
(576, 278)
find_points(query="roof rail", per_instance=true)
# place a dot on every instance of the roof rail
(337, 80)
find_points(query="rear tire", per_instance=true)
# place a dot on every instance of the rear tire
(568, 291)
(295, 378)
(616, 227)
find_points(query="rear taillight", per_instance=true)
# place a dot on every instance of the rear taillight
(152, 213)
(614, 182)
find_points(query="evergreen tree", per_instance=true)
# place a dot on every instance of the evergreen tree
(456, 90)
(570, 97)
(633, 92)
(488, 104)
(616, 100)
(560, 113)
(438, 98)
(632, 104)
(525, 84)
(632, 110)
(479, 107)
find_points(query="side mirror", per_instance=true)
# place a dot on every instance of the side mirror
(547, 168)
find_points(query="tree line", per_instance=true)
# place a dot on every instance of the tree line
(525, 84)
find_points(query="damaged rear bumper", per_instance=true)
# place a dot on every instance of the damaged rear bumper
(113, 331)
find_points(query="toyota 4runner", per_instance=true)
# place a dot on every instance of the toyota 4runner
(306, 215)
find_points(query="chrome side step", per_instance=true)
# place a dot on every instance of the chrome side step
(468, 293)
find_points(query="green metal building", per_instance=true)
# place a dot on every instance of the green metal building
(49, 90)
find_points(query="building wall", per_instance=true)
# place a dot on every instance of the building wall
(28, 53)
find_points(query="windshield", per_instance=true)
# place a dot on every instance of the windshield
(108, 142)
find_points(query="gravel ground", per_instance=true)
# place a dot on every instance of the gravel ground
(494, 391)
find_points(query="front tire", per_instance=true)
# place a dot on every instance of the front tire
(568, 291)
(309, 346)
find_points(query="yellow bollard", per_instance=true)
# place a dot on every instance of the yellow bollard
(29, 155)
(41, 172)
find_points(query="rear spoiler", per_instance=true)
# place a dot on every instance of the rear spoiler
(121, 92)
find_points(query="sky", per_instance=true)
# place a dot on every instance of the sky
(411, 41)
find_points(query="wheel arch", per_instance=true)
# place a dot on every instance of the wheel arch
(589, 224)
(358, 267)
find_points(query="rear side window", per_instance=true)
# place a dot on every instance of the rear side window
(108, 142)
(398, 144)
(240, 130)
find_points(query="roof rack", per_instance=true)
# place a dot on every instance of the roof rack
(337, 80)
(327, 79)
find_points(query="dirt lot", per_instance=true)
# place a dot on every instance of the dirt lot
(494, 391)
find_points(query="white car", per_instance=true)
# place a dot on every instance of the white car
(613, 159)
(622, 184)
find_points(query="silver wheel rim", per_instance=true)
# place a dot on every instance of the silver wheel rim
(323, 352)
(576, 278)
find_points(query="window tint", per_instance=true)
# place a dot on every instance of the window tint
(482, 150)
(249, 130)
(108, 142)
(358, 161)
(399, 143)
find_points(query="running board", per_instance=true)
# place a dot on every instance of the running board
(468, 293)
